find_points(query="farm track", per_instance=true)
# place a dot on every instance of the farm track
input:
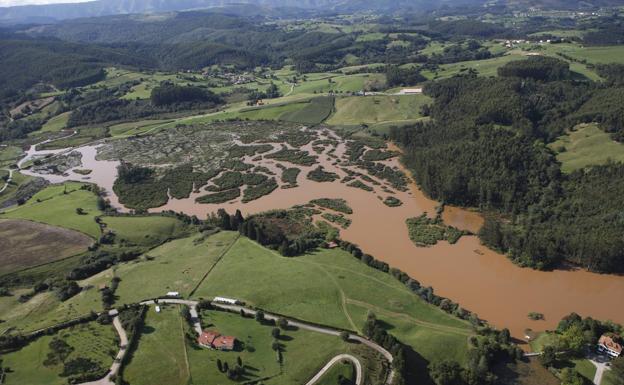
(8, 181)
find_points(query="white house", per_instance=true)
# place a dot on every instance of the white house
(173, 294)
(608, 345)
(157, 309)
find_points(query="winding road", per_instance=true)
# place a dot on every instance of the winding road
(333, 361)
(6, 185)
(123, 344)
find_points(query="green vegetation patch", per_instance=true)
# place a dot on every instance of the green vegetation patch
(70, 355)
(392, 201)
(290, 175)
(587, 145)
(258, 191)
(340, 219)
(320, 175)
(361, 185)
(336, 204)
(219, 197)
(299, 157)
(424, 231)
(342, 372)
(57, 205)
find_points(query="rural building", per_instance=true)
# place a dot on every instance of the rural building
(173, 294)
(228, 301)
(157, 309)
(214, 340)
(609, 345)
(411, 91)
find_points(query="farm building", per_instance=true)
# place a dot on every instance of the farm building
(214, 340)
(609, 345)
(228, 301)
(173, 294)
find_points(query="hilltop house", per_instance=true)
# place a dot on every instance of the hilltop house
(214, 340)
(608, 345)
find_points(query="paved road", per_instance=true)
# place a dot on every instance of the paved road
(332, 362)
(123, 338)
(600, 362)
(8, 180)
(318, 329)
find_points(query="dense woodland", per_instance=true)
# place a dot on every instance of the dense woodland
(486, 148)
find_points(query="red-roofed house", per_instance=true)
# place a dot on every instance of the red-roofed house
(608, 345)
(214, 340)
(224, 343)
(207, 337)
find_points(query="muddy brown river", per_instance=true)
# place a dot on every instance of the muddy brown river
(479, 279)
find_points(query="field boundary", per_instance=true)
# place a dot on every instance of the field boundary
(214, 265)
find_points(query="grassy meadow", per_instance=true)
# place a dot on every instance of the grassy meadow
(56, 205)
(343, 287)
(586, 145)
(376, 110)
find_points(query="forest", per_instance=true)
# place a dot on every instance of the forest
(486, 148)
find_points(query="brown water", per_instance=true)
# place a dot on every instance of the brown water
(479, 279)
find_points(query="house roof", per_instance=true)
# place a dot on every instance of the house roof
(610, 343)
(207, 337)
(224, 342)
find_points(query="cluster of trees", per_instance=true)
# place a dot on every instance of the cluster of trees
(485, 147)
(487, 349)
(168, 94)
(538, 68)
(570, 340)
(396, 76)
(288, 231)
(471, 50)
(376, 331)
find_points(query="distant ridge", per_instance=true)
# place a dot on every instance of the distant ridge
(57, 12)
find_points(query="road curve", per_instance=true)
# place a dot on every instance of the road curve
(123, 344)
(332, 362)
(10, 178)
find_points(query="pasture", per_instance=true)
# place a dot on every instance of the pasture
(340, 370)
(377, 110)
(56, 123)
(343, 287)
(144, 231)
(586, 145)
(160, 357)
(56, 205)
(26, 244)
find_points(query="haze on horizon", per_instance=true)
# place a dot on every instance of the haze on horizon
(13, 3)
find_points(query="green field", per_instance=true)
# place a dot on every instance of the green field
(377, 110)
(343, 287)
(93, 341)
(314, 112)
(149, 230)
(587, 145)
(56, 205)
(160, 357)
(9, 155)
(163, 356)
(57, 123)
